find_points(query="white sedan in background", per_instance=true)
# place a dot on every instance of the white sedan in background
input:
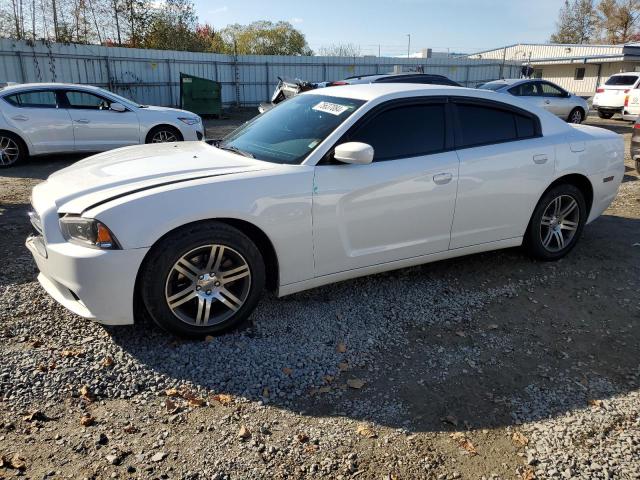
(330, 185)
(45, 118)
(543, 94)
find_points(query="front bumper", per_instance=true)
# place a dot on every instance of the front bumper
(95, 284)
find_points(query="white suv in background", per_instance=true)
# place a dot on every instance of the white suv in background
(615, 95)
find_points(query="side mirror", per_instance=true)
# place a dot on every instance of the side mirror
(118, 107)
(354, 152)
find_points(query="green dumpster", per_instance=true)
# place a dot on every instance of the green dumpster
(200, 95)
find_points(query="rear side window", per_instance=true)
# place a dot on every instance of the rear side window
(406, 131)
(484, 125)
(39, 99)
(622, 80)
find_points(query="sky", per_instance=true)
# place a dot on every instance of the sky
(459, 25)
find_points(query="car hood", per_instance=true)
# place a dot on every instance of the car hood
(113, 174)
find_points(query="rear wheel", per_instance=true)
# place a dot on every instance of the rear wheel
(164, 134)
(557, 222)
(12, 150)
(605, 115)
(202, 280)
(576, 115)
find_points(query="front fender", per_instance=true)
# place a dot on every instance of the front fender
(277, 202)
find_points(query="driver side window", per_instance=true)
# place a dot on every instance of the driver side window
(404, 131)
(87, 101)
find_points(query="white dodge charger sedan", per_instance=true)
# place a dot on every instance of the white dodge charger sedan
(327, 186)
(45, 118)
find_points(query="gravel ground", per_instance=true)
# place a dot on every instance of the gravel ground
(490, 366)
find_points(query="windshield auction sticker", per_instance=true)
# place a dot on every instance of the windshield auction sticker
(332, 108)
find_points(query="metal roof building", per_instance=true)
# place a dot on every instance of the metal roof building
(577, 68)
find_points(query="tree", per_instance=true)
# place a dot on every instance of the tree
(577, 22)
(340, 50)
(619, 20)
(264, 38)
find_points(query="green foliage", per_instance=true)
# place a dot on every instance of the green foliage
(264, 38)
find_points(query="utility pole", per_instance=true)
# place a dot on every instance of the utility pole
(408, 44)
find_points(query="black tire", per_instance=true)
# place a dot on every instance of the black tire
(605, 115)
(574, 113)
(534, 241)
(16, 150)
(159, 130)
(154, 286)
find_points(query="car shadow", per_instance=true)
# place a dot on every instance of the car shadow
(41, 167)
(476, 342)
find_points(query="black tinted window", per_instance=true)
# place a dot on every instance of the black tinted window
(37, 99)
(622, 80)
(404, 132)
(481, 125)
(525, 126)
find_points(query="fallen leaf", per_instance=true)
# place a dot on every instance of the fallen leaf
(265, 392)
(492, 326)
(451, 419)
(72, 352)
(463, 442)
(85, 394)
(16, 462)
(223, 399)
(34, 416)
(87, 420)
(287, 371)
(325, 389)
(310, 448)
(196, 402)
(172, 392)
(130, 429)
(171, 406)
(366, 431)
(520, 439)
(327, 379)
(356, 383)
(244, 433)
(528, 474)
(460, 333)
(107, 362)
(302, 437)
(209, 338)
(341, 348)
(343, 366)
(596, 403)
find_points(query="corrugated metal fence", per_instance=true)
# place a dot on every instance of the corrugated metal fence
(152, 76)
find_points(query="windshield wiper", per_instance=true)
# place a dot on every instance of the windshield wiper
(231, 148)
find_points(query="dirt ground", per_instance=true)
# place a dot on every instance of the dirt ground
(566, 328)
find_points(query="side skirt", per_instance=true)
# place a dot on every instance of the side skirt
(408, 262)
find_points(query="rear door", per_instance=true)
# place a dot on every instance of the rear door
(96, 127)
(530, 92)
(505, 165)
(37, 115)
(555, 100)
(401, 205)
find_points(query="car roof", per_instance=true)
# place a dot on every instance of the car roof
(28, 86)
(371, 91)
(395, 74)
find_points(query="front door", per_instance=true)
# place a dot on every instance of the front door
(96, 127)
(401, 205)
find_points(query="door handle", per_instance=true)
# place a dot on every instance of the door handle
(540, 159)
(442, 178)
(82, 120)
(20, 118)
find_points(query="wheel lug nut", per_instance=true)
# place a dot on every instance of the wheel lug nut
(198, 287)
(208, 292)
(217, 284)
(201, 277)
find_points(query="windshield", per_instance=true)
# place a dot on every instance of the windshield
(622, 80)
(492, 86)
(290, 131)
(125, 101)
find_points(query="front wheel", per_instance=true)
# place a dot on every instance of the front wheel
(576, 115)
(557, 223)
(202, 280)
(164, 134)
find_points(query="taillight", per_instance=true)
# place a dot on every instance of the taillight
(626, 101)
(636, 125)
(339, 82)
(600, 90)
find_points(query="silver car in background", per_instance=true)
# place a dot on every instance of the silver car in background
(45, 118)
(543, 94)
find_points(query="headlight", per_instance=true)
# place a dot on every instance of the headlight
(87, 232)
(189, 120)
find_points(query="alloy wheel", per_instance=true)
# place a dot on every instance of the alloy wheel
(9, 151)
(163, 136)
(576, 117)
(559, 223)
(208, 285)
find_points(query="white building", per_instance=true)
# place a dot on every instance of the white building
(577, 68)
